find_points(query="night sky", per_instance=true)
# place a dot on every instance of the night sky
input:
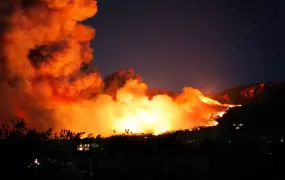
(207, 44)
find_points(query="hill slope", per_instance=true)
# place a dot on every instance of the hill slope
(247, 94)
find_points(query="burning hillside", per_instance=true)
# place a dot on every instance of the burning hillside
(46, 77)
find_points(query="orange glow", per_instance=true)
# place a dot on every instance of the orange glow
(135, 113)
(43, 47)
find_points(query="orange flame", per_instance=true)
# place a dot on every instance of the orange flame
(134, 112)
(43, 48)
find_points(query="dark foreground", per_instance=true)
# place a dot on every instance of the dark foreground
(227, 151)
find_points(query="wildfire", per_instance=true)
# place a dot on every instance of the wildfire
(135, 113)
(44, 48)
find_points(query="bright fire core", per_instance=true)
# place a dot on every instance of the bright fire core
(133, 111)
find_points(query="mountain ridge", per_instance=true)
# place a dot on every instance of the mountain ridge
(247, 93)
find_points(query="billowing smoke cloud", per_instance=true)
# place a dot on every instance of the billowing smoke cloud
(46, 77)
(43, 47)
(117, 80)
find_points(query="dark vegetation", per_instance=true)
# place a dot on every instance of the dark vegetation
(247, 143)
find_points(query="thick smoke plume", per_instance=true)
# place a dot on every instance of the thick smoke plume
(46, 77)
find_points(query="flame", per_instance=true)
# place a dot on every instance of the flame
(133, 112)
(46, 78)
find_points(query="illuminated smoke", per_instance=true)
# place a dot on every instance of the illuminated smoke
(43, 47)
(46, 77)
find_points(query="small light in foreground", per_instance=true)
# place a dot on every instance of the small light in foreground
(83, 147)
(36, 162)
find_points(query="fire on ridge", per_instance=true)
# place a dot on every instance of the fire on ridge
(46, 78)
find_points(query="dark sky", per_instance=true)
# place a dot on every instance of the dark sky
(207, 44)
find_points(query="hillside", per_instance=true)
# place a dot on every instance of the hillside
(262, 110)
(247, 94)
